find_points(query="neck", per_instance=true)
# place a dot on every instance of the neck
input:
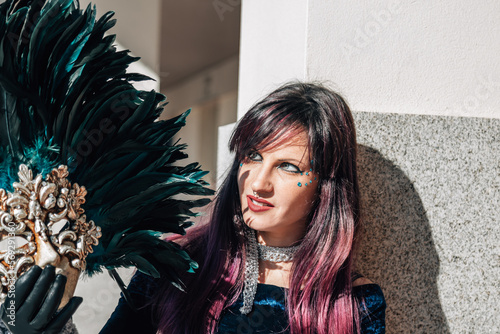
(278, 240)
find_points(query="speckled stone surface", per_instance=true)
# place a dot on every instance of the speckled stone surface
(431, 191)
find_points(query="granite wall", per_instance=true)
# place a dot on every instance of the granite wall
(430, 189)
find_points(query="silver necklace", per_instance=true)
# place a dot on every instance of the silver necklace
(276, 254)
(254, 252)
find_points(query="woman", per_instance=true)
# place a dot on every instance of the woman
(276, 254)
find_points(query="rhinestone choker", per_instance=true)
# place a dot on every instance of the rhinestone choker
(276, 254)
(254, 252)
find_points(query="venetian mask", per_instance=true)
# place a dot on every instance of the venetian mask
(42, 222)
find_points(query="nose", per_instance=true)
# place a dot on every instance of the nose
(262, 181)
(46, 254)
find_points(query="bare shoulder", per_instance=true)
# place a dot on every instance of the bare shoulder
(361, 281)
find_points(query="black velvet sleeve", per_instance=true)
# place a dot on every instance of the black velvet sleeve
(127, 320)
(372, 308)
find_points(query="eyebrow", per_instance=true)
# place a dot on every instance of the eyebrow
(291, 160)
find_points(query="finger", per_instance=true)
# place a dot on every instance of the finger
(63, 316)
(51, 303)
(37, 295)
(24, 285)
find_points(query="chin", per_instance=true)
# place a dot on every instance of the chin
(258, 224)
(254, 222)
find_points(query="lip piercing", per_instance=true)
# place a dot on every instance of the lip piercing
(255, 194)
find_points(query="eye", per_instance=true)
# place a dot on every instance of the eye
(288, 167)
(254, 156)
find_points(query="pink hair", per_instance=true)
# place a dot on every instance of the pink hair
(320, 297)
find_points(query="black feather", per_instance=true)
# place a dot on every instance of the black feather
(66, 98)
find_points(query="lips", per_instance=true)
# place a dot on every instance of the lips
(258, 204)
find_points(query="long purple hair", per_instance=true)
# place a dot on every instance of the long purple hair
(320, 298)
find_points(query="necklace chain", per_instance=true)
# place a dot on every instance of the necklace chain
(254, 252)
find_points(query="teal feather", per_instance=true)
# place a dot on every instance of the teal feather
(7, 173)
(66, 98)
(41, 156)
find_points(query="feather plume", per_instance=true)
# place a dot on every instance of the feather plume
(66, 98)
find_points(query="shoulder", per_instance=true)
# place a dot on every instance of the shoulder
(365, 289)
(369, 295)
(372, 305)
(360, 280)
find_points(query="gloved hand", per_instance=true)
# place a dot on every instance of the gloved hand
(33, 310)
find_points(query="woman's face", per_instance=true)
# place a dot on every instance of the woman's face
(277, 190)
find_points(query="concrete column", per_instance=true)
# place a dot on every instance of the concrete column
(423, 81)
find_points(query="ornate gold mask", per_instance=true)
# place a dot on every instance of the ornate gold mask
(42, 222)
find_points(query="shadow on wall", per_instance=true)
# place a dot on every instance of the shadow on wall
(397, 250)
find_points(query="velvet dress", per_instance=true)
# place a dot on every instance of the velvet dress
(269, 314)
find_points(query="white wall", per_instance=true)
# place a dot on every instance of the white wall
(417, 57)
(272, 47)
(395, 56)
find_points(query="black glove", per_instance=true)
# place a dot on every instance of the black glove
(33, 310)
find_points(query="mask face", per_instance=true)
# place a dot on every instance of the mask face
(42, 223)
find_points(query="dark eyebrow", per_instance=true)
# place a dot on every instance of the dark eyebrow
(297, 161)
